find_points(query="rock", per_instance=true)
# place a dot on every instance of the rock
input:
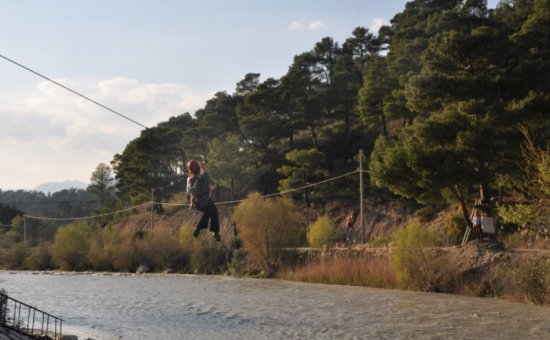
(142, 269)
(69, 337)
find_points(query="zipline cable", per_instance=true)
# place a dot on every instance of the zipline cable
(73, 91)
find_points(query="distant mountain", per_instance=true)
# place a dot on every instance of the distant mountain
(52, 187)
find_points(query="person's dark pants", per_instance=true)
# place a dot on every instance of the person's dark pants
(210, 213)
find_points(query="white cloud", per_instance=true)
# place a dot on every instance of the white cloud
(316, 25)
(296, 25)
(376, 23)
(54, 135)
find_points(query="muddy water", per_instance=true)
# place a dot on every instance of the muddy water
(164, 306)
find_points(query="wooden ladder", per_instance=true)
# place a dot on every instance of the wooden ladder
(468, 229)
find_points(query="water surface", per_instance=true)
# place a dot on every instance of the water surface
(173, 306)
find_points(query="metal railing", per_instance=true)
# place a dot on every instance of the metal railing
(28, 319)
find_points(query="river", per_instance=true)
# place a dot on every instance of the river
(173, 306)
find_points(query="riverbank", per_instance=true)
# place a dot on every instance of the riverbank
(481, 268)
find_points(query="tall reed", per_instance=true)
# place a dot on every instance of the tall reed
(356, 271)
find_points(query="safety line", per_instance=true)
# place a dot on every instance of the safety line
(73, 91)
(85, 217)
(186, 204)
(275, 194)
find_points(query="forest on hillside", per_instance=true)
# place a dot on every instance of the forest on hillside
(449, 104)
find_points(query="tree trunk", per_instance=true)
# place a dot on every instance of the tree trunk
(314, 136)
(346, 127)
(306, 198)
(465, 212)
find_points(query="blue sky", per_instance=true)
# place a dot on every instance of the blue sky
(149, 60)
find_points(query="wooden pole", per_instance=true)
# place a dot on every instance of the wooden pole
(152, 207)
(24, 230)
(361, 221)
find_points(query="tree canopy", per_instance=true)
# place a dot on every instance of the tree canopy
(436, 99)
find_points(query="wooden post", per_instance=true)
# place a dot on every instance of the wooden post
(361, 196)
(24, 230)
(152, 207)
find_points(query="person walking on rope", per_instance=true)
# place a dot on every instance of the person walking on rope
(198, 194)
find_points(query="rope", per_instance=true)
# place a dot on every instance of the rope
(186, 204)
(85, 217)
(275, 194)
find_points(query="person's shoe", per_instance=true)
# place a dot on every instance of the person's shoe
(196, 232)
(217, 237)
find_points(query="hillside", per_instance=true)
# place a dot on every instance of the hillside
(380, 219)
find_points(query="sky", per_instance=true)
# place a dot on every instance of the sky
(146, 59)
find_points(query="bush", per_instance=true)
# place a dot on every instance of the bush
(126, 257)
(524, 281)
(70, 247)
(203, 253)
(415, 266)
(40, 257)
(455, 227)
(162, 251)
(103, 245)
(321, 232)
(238, 263)
(13, 257)
(380, 242)
(266, 226)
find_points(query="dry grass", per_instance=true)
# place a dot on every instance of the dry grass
(358, 271)
(524, 281)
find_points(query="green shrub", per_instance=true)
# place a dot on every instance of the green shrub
(237, 265)
(103, 245)
(162, 251)
(40, 257)
(380, 242)
(524, 280)
(70, 246)
(321, 232)
(13, 257)
(236, 243)
(126, 254)
(204, 255)
(266, 226)
(411, 258)
(454, 227)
